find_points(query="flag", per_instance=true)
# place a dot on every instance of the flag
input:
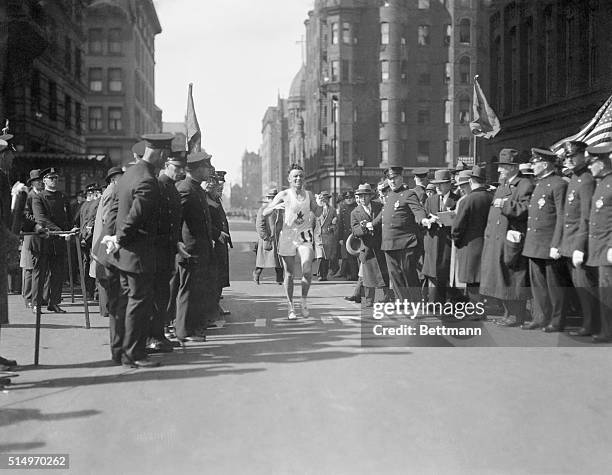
(194, 137)
(485, 123)
(598, 130)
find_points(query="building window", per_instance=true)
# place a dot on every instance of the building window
(346, 70)
(68, 54)
(423, 113)
(384, 111)
(115, 116)
(346, 151)
(384, 70)
(78, 64)
(114, 41)
(115, 81)
(335, 71)
(384, 33)
(35, 92)
(68, 111)
(95, 79)
(423, 4)
(346, 33)
(422, 151)
(448, 111)
(447, 151)
(52, 100)
(95, 41)
(424, 77)
(334, 33)
(78, 118)
(448, 34)
(384, 150)
(464, 147)
(423, 35)
(464, 110)
(464, 31)
(448, 73)
(404, 71)
(464, 70)
(95, 118)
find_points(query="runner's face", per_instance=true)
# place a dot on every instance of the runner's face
(296, 178)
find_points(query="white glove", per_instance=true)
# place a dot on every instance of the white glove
(577, 258)
(554, 253)
(369, 226)
(111, 244)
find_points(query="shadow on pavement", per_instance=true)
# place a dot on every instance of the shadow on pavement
(19, 446)
(10, 416)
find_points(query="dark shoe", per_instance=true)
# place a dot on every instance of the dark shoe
(352, 298)
(56, 309)
(601, 339)
(552, 329)
(580, 332)
(322, 279)
(158, 347)
(5, 362)
(255, 278)
(530, 326)
(144, 363)
(224, 312)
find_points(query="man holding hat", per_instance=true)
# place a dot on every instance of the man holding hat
(577, 210)
(503, 273)
(325, 234)
(197, 302)
(468, 228)
(398, 218)
(372, 258)
(348, 267)
(50, 210)
(167, 244)
(139, 199)
(547, 273)
(437, 242)
(268, 229)
(599, 244)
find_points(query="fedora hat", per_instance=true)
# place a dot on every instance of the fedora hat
(112, 172)
(364, 189)
(34, 175)
(508, 156)
(442, 176)
(477, 172)
(463, 177)
(272, 192)
(353, 245)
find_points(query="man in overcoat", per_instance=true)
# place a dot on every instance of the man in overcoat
(325, 234)
(268, 229)
(504, 270)
(348, 267)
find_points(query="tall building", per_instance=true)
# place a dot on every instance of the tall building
(274, 146)
(251, 179)
(120, 72)
(43, 91)
(549, 72)
(388, 83)
(295, 118)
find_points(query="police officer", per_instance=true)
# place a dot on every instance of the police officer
(166, 247)
(137, 226)
(421, 181)
(50, 210)
(547, 273)
(575, 234)
(225, 239)
(600, 234)
(399, 217)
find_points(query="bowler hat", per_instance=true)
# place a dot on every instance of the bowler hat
(508, 156)
(460, 166)
(353, 245)
(34, 175)
(442, 176)
(364, 189)
(112, 172)
(542, 155)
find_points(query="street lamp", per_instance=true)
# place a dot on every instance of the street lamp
(360, 164)
(334, 143)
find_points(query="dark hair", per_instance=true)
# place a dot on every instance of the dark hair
(294, 166)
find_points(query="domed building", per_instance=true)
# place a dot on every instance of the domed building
(295, 110)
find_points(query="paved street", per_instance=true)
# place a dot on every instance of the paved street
(265, 395)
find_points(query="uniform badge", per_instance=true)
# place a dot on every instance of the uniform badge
(396, 205)
(571, 197)
(599, 203)
(541, 203)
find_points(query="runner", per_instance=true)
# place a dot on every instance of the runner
(296, 236)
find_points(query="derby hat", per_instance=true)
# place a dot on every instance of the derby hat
(353, 245)
(442, 176)
(364, 189)
(508, 156)
(34, 175)
(112, 172)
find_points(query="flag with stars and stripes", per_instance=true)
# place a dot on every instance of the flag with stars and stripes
(598, 130)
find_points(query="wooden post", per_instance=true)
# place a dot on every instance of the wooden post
(81, 272)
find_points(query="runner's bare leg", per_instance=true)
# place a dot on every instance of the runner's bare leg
(289, 265)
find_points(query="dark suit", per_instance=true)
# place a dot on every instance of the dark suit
(548, 277)
(50, 210)
(349, 266)
(437, 247)
(197, 296)
(136, 229)
(575, 236)
(600, 240)
(85, 221)
(372, 258)
(398, 218)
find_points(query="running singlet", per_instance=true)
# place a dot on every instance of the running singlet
(297, 224)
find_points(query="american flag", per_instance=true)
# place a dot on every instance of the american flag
(598, 130)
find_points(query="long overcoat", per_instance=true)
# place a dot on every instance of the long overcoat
(437, 242)
(372, 258)
(325, 234)
(504, 271)
(268, 230)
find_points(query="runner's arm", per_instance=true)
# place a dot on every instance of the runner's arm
(278, 199)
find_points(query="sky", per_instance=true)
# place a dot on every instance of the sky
(239, 54)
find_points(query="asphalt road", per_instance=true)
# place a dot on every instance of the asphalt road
(267, 396)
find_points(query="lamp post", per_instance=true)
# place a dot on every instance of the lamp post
(360, 165)
(335, 144)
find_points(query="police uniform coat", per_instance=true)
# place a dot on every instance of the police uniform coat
(372, 258)
(503, 271)
(268, 230)
(50, 210)
(437, 242)
(219, 221)
(600, 222)
(420, 192)
(576, 213)
(468, 233)
(137, 218)
(170, 218)
(325, 234)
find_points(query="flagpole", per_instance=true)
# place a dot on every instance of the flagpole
(475, 136)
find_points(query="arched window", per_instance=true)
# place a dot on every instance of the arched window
(464, 70)
(464, 110)
(464, 31)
